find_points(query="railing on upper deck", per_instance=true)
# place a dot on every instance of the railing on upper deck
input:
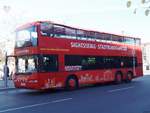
(61, 31)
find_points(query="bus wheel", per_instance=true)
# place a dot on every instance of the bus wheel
(118, 78)
(72, 83)
(129, 77)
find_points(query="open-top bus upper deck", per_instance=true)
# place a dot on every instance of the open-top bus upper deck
(50, 29)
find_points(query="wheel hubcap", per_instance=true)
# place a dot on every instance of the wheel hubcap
(129, 76)
(72, 83)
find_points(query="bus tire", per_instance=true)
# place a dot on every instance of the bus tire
(72, 83)
(118, 78)
(129, 77)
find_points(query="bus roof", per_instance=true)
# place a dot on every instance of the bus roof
(38, 22)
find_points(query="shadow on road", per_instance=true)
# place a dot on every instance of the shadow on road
(101, 86)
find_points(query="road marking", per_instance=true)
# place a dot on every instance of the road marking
(34, 105)
(121, 89)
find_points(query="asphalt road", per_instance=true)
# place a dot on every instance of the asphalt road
(124, 98)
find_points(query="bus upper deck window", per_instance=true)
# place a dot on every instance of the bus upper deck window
(46, 29)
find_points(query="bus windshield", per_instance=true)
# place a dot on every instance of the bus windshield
(26, 64)
(26, 37)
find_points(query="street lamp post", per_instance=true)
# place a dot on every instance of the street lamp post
(5, 71)
(6, 9)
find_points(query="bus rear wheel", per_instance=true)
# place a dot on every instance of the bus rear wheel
(72, 83)
(118, 78)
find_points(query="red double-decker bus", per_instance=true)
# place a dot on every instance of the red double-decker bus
(51, 55)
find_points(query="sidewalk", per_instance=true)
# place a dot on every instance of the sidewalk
(10, 85)
(146, 72)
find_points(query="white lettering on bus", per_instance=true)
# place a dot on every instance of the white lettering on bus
(109, 47)
(83, 45)
(99, 46)
(86, 78)
(73, 68)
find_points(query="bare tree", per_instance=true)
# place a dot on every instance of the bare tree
(145, 4)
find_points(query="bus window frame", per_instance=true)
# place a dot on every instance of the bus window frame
(41, 63)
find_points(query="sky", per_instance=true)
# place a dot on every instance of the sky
(110, 16)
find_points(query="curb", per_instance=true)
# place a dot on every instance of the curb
(7, 89)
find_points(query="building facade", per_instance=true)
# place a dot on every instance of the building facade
(146, 58)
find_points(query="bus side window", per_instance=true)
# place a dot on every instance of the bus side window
(50, 63)
(47, 29)
(59, 31)
(138, 42)
(70, 33)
